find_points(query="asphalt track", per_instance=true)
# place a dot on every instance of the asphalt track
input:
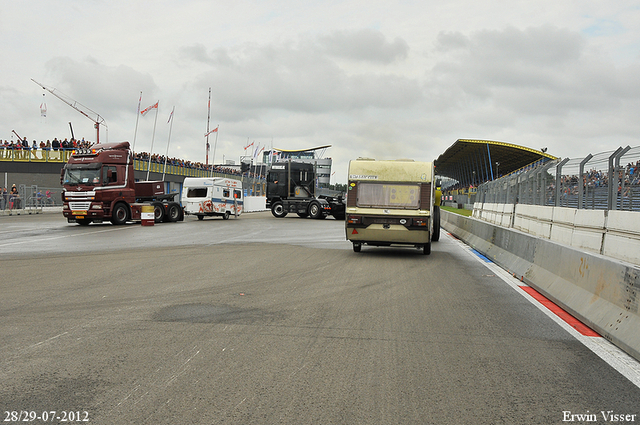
(260, 320)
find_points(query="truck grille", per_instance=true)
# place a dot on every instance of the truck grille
(82, 206)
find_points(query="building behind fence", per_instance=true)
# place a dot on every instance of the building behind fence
(605, 181)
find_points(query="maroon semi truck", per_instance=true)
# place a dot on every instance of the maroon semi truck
(99, 185)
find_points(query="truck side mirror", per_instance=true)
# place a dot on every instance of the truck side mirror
(62, 176)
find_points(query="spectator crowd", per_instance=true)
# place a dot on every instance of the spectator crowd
(48, 145)
(23, 150)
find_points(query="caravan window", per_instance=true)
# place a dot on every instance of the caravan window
(225, 193)
(237, 194)
(197, 192)
(388, 195)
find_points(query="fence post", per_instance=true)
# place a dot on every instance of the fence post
(581, 180)
(558, 178)
(614, 162)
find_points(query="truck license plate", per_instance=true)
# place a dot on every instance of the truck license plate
(79, 213)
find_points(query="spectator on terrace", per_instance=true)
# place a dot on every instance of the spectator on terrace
(14, 198)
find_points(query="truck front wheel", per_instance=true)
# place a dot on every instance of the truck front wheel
(315, 211)
(357, 247)
(120, 214)
(278, 210)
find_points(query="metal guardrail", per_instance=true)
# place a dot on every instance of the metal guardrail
(30, 198)
(62, 156)
(34, 155)
(604, 181)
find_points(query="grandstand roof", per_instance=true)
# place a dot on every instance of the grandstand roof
(471, 162)
(302, 150)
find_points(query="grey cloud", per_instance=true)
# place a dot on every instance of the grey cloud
(536, 71)
(299, 78)
(364, 45)
(198, 53)
(107, 90)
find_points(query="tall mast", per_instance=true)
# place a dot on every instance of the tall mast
(208, 118)
(97, 121)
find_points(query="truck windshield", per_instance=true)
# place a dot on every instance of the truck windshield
(74, 175)
(388, 195)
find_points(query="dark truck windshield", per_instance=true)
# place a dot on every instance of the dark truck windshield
(86, 174)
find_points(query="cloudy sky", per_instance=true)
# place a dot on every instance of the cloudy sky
(393, 79)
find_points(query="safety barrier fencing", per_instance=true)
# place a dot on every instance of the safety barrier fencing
(614, 234)
(601, 292)
(604, 181)
(30, 199)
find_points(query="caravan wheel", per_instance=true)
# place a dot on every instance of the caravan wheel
(226, 215)
(436, 224)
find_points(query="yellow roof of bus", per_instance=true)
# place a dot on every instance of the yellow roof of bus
(401, 170)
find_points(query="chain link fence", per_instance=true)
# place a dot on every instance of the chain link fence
(30, 198)
(605, 181)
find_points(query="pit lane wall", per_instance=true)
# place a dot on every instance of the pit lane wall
(602, 292)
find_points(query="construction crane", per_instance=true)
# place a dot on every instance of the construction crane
(93, 116)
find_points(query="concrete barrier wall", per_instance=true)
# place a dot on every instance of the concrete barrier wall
(599, 291)
(614, 234)
(255, 203)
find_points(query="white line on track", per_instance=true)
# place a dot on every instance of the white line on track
(612, 355)
(32, 240)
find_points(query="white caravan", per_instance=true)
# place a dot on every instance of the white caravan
(212, 196)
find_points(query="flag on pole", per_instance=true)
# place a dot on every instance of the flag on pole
(144, 111)
(139, 101)
(43, 107)
(248, 146)
(257, 151)
(171, 114)
(215, 130)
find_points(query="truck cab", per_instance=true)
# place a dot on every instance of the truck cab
(99, 184)
(291, 189)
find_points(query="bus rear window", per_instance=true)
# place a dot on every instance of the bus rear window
(388, 195)
(197, 192)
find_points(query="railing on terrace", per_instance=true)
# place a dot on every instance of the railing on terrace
(581, 183)
(34, 155)
(62, 156)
